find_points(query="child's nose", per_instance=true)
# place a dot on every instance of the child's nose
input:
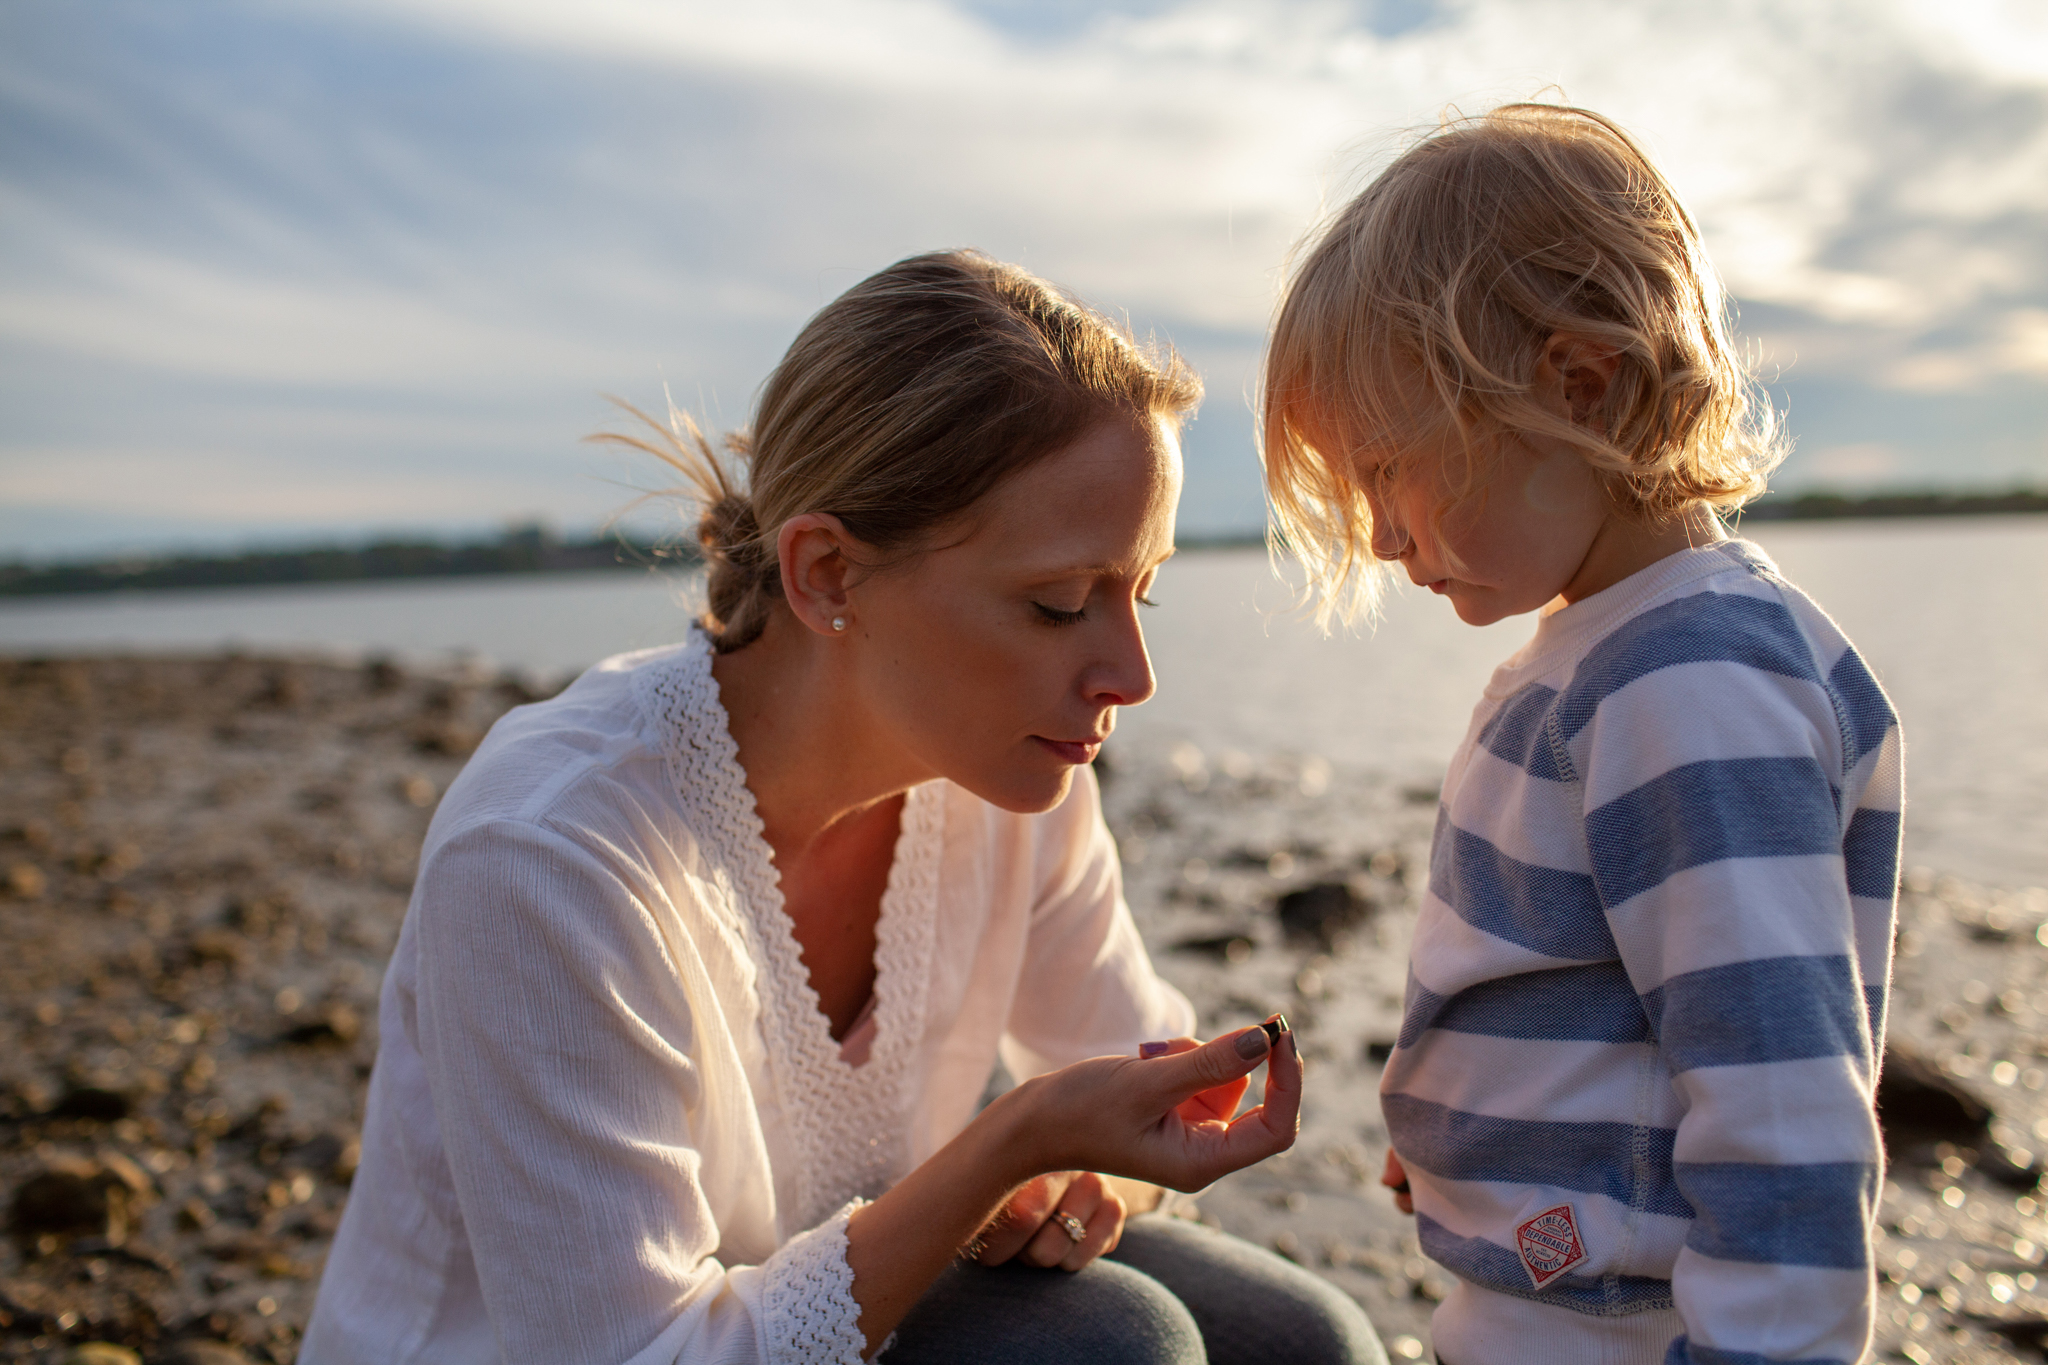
(1389, 537)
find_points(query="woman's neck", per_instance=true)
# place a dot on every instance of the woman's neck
(812, 755)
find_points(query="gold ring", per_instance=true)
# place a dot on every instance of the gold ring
(1072, 1226)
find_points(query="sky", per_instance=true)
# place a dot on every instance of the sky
(308, 270)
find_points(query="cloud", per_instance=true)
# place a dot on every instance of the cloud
(244, 228)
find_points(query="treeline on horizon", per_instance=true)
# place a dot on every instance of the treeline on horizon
(531, 549)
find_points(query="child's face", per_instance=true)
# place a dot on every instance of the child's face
(1519, 542)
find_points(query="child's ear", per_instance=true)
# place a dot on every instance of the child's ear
(1578, 371)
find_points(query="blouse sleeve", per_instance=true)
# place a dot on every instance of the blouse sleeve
(562, 1059)
(1087, 988)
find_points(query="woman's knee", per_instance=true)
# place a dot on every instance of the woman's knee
(1250, 1304)
(1107, 1314)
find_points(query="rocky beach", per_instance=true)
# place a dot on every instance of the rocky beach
(204, 862)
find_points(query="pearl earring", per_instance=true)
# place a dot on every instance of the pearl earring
(839, 623)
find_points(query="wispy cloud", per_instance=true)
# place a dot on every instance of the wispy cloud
(418, 238)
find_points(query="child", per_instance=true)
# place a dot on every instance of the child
(1633, 1084)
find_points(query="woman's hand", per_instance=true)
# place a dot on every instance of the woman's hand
(1034, 1226)
(1165, 1118)
(1395, 1178)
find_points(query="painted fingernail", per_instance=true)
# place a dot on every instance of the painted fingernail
(1152, 1049)
(1275, 1028)
(1253, 1043)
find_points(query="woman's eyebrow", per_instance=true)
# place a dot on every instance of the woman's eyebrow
(1104, 570)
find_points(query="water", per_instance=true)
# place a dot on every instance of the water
(1948, 612)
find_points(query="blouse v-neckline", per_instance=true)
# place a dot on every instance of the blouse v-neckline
(849, 1124)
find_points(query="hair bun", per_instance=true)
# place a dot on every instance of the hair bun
(728, 531)
(739, 576)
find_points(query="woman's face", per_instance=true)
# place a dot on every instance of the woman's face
(998, 659)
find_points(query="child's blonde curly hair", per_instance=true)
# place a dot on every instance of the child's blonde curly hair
(1423, 309)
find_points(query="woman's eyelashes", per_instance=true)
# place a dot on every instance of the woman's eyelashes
(1055, 616)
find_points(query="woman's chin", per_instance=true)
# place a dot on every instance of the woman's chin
(1026, 793)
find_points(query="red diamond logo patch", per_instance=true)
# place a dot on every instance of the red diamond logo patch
(1550, 1244)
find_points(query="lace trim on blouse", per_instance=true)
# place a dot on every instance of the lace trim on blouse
(850, 1126)
(809, 1316)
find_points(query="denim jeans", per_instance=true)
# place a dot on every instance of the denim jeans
(1173, 1293)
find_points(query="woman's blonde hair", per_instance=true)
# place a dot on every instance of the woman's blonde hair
(1423, 308)
(897, 407)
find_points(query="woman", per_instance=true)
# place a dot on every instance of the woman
(724, 942)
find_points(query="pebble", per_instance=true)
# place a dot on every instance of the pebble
(201, 1353)
(69, 1198)
(1320, 912)
(101, 1353)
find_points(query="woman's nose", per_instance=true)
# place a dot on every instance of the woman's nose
(1124, 677)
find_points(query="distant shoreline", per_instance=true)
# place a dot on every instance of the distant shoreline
(531, 550)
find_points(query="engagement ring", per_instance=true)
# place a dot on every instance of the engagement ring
(1071, 1225)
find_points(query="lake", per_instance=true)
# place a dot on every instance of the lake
(1949, 612)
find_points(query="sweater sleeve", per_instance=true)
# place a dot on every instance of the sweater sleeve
(1716, 819)
(1086, 988)
(562, 1059)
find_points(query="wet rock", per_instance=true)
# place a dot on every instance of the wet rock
(70, 1198)
(447, 739)
(132, 1177)
(1222, 947)
(26, 881)
(100, 1353)
(1320, 913)
(2028, 1331)
(1997, 1165)
(337, 1025)
(201, 1353)
(332, 1155)
(97, 1103)
(1918, 1103)
(219, 945)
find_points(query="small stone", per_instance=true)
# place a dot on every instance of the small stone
(220, 945)
(1224, 947)
(338, 1023)
(27, 881)
(97, 1103)
(1916, 1102)
(124, 1169)
(202, 1353)
(69, 1198)
(101, 1353)
(1321, 912)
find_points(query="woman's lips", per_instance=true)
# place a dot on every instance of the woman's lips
(1076, 751)
(1442, 585)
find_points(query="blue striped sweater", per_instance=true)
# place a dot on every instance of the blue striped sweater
(1633, 1085)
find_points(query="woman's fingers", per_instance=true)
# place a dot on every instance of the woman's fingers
(1264, 1131)
(1070, 1225)
(1219, 1103)
(1180, 1076)
(1023, 1218)
(1104, 1231)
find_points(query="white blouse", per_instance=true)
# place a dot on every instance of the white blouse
(608, 1120)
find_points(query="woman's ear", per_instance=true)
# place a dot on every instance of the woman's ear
(1579, 371)
(817, 570)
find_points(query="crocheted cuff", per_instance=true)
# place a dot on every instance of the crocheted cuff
(808, 1309)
